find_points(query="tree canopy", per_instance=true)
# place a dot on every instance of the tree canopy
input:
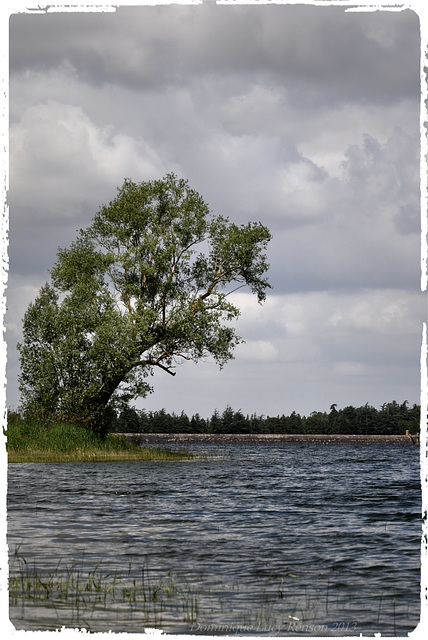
(146, 285)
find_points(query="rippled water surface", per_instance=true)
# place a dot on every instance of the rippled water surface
(272, 540)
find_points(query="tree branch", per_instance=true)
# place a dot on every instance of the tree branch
(153, 363)
(171, 373)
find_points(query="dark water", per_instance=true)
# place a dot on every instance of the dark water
(269, 540)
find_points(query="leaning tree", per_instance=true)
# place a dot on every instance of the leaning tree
(146, 285)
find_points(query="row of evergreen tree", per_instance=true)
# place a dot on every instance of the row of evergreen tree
(391, 418)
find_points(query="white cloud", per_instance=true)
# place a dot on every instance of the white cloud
(63, 168)
(267, 109)
(259, 351)
(318, 325)
(59, 154)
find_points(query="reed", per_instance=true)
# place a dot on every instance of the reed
(89, 593)
(73, 595)
(31, 439)
(73, 581)
(84, 591)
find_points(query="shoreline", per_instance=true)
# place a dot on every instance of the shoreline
(270, 439)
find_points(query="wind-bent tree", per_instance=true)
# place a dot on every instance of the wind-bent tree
(146, 285)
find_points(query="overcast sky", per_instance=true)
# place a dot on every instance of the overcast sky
(303, 117)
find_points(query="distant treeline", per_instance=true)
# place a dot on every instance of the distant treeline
(391, 418)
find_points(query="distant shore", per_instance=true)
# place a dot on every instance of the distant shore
(270, 439)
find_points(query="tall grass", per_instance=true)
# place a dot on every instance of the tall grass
(33, 439)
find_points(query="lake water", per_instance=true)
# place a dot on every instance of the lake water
(261, 540)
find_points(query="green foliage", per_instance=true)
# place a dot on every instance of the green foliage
(146, 285)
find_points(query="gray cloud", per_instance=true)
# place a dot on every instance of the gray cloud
(305, 118)
(322, 56)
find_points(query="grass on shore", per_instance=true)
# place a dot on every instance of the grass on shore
(33, 440)
(97, 455)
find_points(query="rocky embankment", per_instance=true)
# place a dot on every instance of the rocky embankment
(217, 438)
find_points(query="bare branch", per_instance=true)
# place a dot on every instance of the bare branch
(233, 290)
(171, 373)
(154, 363)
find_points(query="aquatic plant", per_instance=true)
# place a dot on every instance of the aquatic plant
(86, 594)
(104, 598)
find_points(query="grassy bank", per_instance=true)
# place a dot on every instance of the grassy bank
(35, 440)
